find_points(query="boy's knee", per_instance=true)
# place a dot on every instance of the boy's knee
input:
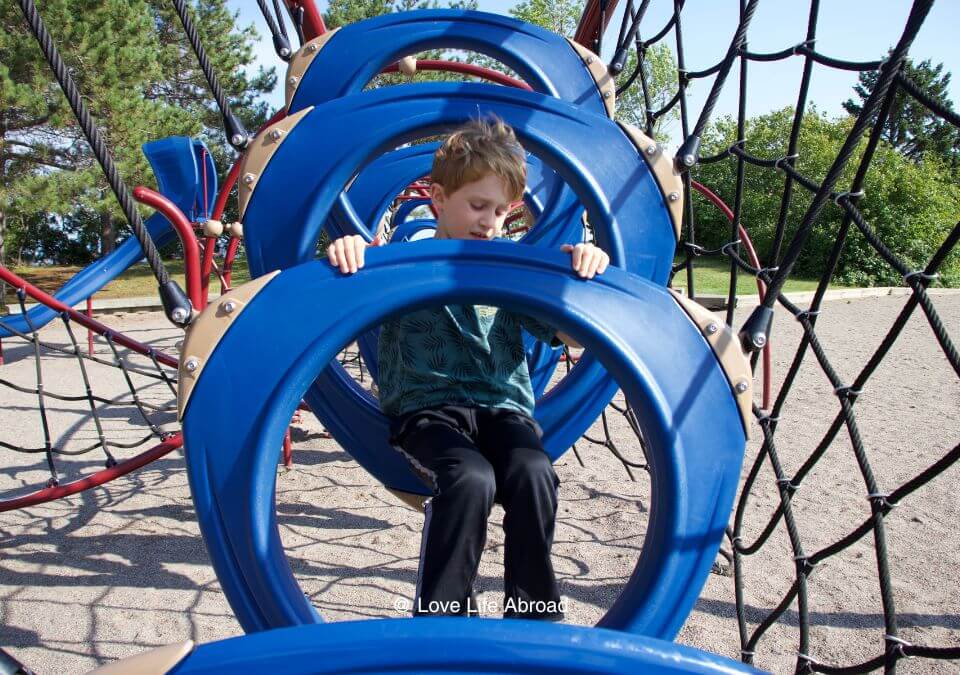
(475, 480)
(531, 471)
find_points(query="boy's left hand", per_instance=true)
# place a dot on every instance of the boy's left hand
(586, 260)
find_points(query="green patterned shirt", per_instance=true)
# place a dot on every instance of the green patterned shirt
(470, 355)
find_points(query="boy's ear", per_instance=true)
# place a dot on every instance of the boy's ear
(437, 196)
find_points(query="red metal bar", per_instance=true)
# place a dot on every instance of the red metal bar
(81, 319)
(191, 249)
(99, 478)
(715, 199)
(589, 29)
(287, 450)
(209, 248)
(90, 332)
(488, 74)
(228, 265)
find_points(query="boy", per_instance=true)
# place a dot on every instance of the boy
(455, 385)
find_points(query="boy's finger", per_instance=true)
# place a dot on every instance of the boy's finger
(595, 261)
(332, 255)
(604, 261)
(351, 257)
(576, 255)
(566, 248)
(341, 256)
(361, 252)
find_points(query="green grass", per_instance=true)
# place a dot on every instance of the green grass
(711, 277)
(138, 281)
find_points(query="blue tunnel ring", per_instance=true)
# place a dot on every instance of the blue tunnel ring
(683, 400)
(628, 212)
(442, 645)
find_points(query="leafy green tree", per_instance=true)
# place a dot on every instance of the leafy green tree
(910, 127)
(659, 66)
(911, 206)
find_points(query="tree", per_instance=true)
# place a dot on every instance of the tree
(910, 127)
(659, 66)
(911, 206)
(140, 81)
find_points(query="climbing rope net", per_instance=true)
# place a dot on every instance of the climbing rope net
(771, 269)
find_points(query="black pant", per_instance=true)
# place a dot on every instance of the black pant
(472, 457)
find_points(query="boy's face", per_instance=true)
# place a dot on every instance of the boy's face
(475, 211)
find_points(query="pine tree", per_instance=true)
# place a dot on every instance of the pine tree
(910, 127)
(140, 80)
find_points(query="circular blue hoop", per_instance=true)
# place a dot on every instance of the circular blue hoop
(684, 403)
(627, 208)
(443, 645)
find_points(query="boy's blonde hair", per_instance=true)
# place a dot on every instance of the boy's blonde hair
(479, 148)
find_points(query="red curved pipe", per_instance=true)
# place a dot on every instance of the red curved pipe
(184, 228)
(488, 74)
(715, 199)
(83, 320)
(99, 478)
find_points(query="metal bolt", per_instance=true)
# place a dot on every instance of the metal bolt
(607, 94)
(741, 387)
(229, 306)
(712, 328)
(589, 60)
(292, 80)
(284, 52)
(179, 315)
(276, 134)
(237, 139)
(673, 196)
(248, 178)
(689, 160)
(191, 365)
(652, 150)
(312, 48)
(759, 340)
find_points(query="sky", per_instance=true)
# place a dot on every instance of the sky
(857, 30)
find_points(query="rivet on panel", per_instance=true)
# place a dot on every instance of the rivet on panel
(741, 386)
(229, 307)
(712, 328)
(673, 196)
(292, 80)
(192, 364)
(248, 178)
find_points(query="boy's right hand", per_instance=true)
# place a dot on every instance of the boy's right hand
(347, 253)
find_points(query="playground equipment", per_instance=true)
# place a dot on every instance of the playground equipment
(553, 119)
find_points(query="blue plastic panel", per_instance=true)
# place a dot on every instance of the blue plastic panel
(446, 645)
(627, 208)
(685, 407)
(356, 53)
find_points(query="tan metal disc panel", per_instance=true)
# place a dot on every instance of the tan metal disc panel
(206, 331)
(154, 662)
(664, 170)
(301, 60)
(726, 347)
(598, 70)
(414, 501)
(258, 155)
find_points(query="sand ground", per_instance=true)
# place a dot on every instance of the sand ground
(122, 568)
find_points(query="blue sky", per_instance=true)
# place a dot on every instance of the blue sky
(848, 29)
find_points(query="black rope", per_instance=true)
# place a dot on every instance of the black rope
(280, 41)
(175, 302)
(237, 136)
